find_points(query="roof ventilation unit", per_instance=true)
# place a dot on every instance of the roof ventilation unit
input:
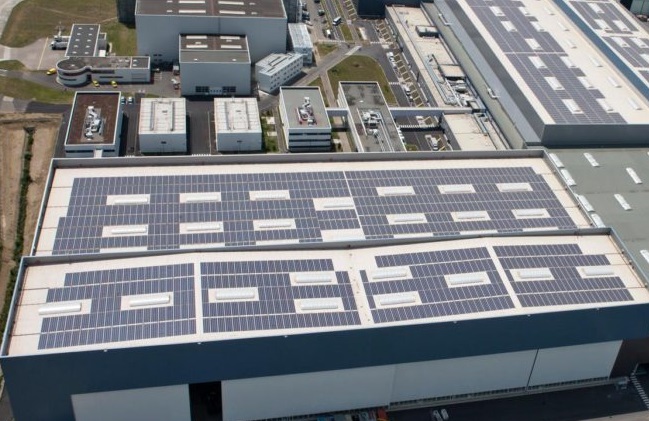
(597, 271)
(396, 299)
(59, 309)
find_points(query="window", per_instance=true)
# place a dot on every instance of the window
(229, 89)
(202, 89)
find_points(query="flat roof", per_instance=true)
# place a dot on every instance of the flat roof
(364, 97)
(89, 108)
(300, 37)
(565, 78)
(162, 116)
(236, 115)
(199, 297)
(625, 39)
(214, 49)
(612, 176)
(467, 132)
(83, 40)
(110, 62)
(275, 62)
(293, 98)
(429, 53)
(215, 8)
(130, 207)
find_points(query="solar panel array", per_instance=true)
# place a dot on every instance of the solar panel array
(567, 285)
(275, 306)
(275, 294)
(236, 213)
(107, 321)
(520, 36)
(592, 12)
(437, 299)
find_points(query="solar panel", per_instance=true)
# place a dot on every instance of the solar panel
(567, 285)
(274, 304)
(520, 36)
(111, 318)
(437, 298)
(103, 213)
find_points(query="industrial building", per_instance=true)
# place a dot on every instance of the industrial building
(78, 71)
(305, 123)
(548, 73)
(92, 337)
(300, 41)
(162, 125)
(263, 24)
(86, 60)
(95, 125)
(275, 70)
(237, 125)
(376, 8)
(611, 185)
(466, 132)
(214, 65)
(370, 121)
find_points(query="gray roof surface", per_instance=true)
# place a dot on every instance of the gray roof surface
(214, 49)
(263, 8)
(294, 98)
(600, 184)
(83, 40)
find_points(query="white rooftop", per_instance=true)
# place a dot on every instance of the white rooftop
(236, 115)
(198, 297)
(533, 35)
(162, 116)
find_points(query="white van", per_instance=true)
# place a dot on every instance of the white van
(337, 20)
(328, 33)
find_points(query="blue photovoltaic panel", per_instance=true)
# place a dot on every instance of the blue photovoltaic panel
(106, 322)
(518, 51)
(567, 287)
(275, 308)
(80, 231)
(438, 300)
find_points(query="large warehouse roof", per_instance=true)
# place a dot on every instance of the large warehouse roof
(239, 8)
(622, 37)
(608, 179)
(189, 298)
(563, 76)
(134, 208)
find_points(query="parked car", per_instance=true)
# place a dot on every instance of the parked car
(51, 71)
(113, 83)
(321, 12)
(95, 83)
(130, 100)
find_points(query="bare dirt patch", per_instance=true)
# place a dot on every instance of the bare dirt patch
(12, 145)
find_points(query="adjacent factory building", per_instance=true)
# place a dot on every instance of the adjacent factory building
(95, 125)
(564, 73)
(214, 65)
(237, 125)
(86, 60)
(305, 122)
(263, 23)
(275, 70)
(92, 337)
(162, 125)
(300, 41)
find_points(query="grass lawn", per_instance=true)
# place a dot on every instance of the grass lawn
(34, 19)
(362, 69)
(324, 49)
(121, 37)
(347, 33)
(23, 89)
(411, 148)
(318, 82)
(11, 65)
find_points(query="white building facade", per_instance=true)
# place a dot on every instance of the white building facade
(214, 65)
(237, 125)
(277, 69)
(305, 122)
(301, 41)
(163, 125)
(264, 24)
